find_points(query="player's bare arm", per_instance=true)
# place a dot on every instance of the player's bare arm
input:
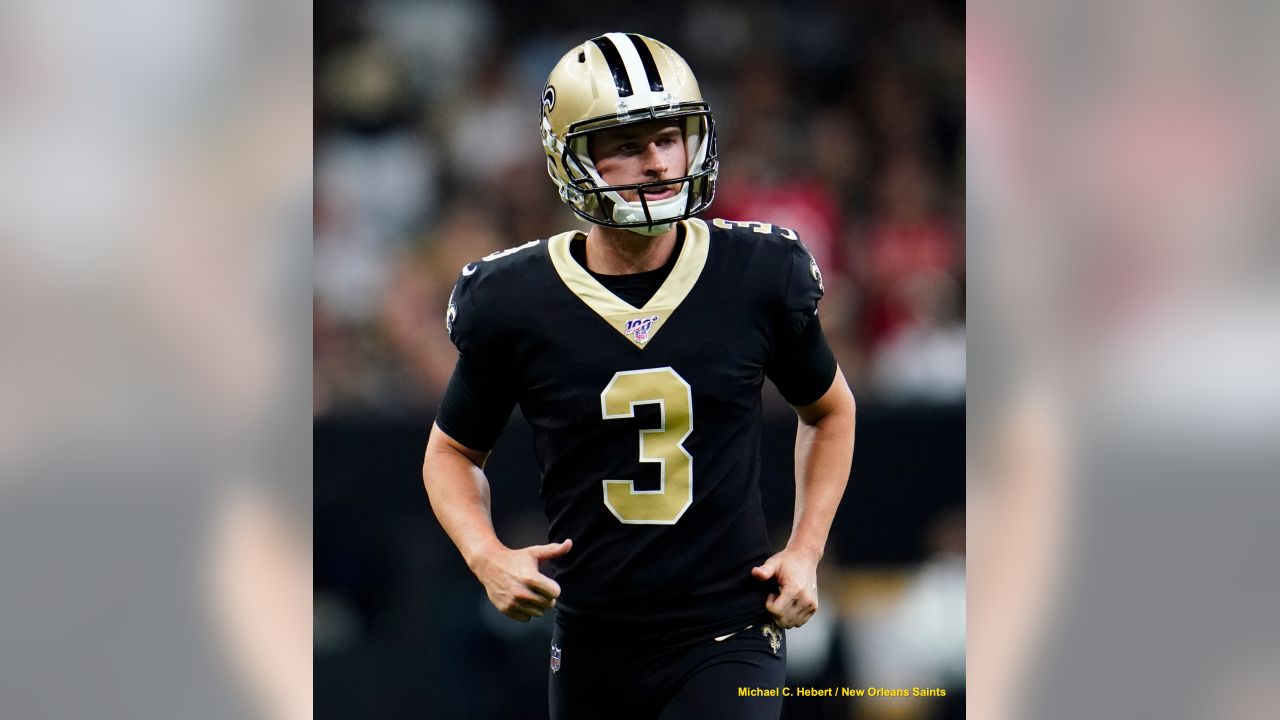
(459, 492)
(824, 454)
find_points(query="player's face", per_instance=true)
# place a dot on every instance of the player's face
(640, 153)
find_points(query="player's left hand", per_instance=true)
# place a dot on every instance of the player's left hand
(796, 570)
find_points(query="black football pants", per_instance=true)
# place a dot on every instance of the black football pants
(596, 677)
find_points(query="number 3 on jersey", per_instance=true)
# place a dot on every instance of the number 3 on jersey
(665, 388)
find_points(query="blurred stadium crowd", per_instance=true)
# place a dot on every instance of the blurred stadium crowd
(841, 122)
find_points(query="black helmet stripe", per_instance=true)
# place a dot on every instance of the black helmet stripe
(614, 59)
(646, 59)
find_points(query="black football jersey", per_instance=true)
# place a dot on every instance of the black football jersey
(646, 421)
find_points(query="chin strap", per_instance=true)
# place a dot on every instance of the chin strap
(663, 212)
(651, 230)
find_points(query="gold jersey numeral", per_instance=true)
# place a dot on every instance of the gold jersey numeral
(759, 227)
(665, 388)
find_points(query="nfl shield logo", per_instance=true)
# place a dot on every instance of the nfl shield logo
(639, 328)
(555, 658)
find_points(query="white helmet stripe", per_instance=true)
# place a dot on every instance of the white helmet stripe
(621, 78)
(646, 59)
(643, 96)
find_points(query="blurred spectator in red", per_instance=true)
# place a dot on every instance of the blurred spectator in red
(908, 236)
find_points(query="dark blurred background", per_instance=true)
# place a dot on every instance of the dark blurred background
(841, 120)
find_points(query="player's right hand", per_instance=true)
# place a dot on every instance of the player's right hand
(513, 582)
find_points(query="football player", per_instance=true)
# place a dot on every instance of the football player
(637, 351)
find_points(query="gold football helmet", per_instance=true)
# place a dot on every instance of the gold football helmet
(620, 79)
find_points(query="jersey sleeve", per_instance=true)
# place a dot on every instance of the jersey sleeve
(804, 290)
(803, 369)
(467, 330)
(480, 395)
(802, 365)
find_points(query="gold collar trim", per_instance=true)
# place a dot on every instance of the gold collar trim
(638, 325)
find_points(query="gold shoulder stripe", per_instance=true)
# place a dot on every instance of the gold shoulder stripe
(638, 325)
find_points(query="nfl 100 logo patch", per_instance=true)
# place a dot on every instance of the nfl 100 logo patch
(640, 328)
(555, 658)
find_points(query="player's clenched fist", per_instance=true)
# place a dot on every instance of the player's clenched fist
(797, 574)
(515, 585)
